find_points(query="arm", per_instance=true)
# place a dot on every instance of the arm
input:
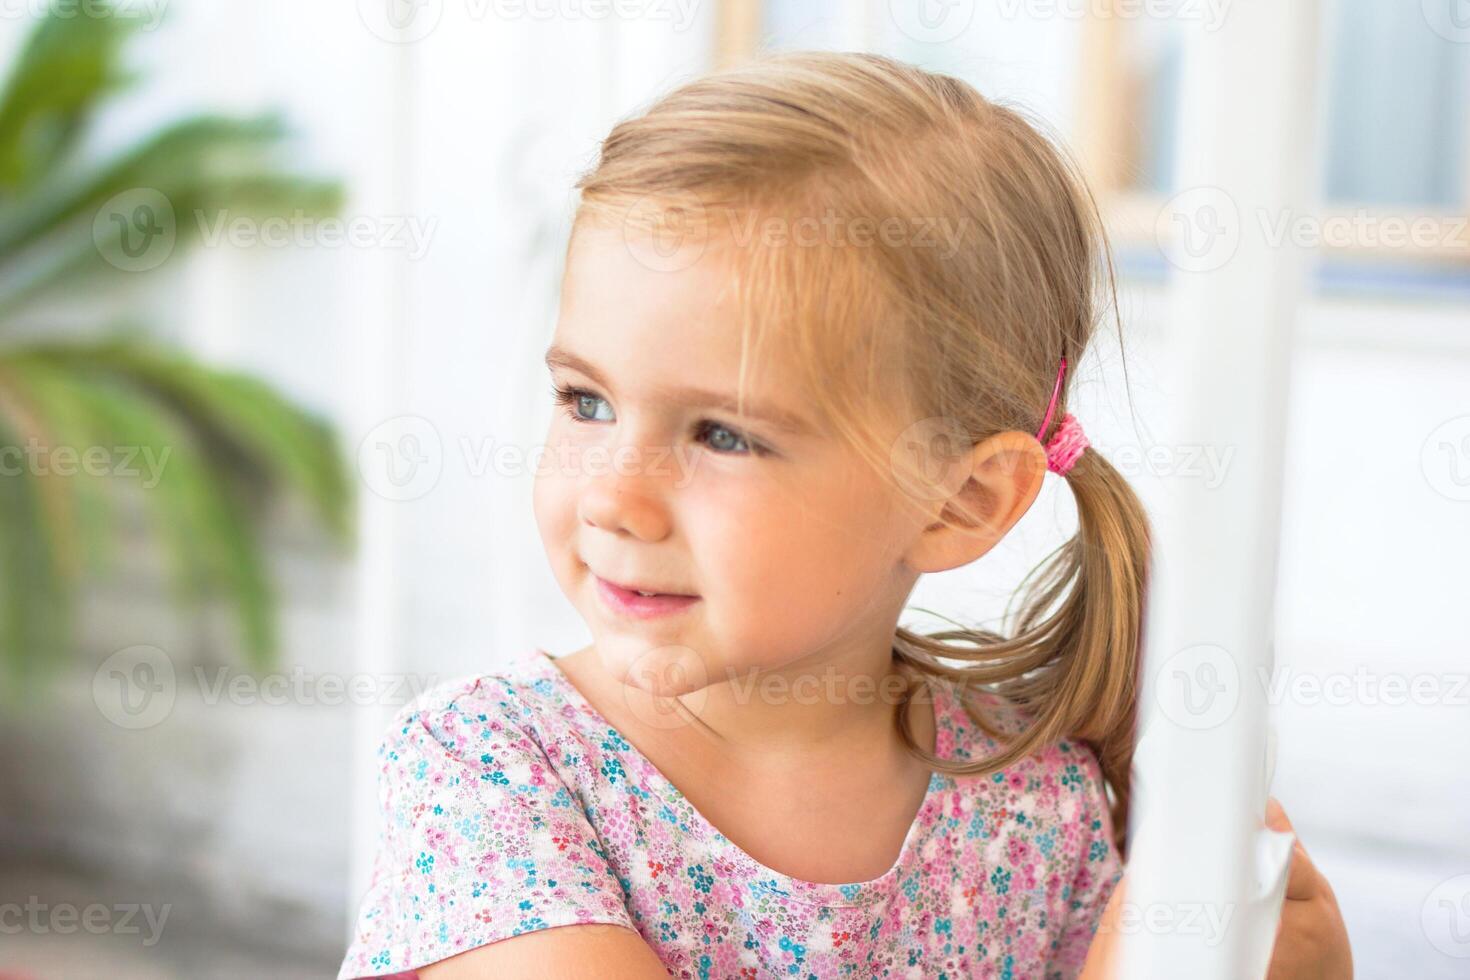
(575, 952)
(1102, 955)
(1311, 939)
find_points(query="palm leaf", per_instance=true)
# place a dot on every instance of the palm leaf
(35, 620)
(80, 511)
(65, 67)
(185, 159)
(252, 427)
(197, 171)
(224, 439)
(204, 522)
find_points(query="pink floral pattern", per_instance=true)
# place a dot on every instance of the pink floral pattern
(509, 804)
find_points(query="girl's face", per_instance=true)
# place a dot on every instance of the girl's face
(792, 546)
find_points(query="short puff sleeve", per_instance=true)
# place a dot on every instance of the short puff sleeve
(479, 839)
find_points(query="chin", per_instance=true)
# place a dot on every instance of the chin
(661, 669)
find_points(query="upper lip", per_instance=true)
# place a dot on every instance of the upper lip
(642, 588)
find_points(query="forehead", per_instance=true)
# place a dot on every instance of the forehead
(614, 290)
(672, 334)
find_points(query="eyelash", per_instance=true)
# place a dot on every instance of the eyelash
(568, 397)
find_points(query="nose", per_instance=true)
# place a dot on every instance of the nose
(623, 498)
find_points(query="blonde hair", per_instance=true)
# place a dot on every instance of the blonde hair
(970, 331)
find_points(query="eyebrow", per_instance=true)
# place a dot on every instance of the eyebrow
(686, 395)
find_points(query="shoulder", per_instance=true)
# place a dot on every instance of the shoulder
(515, 698)
(509, 729)
(481, 834)
(1073, 785)
(1064, 796)
(1059, 785)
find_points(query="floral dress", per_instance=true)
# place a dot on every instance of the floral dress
(510, 804)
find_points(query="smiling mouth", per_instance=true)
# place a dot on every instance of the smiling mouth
(651, 592)
(639, 588)
(641, 604)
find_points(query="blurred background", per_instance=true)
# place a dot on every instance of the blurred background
(275, 282)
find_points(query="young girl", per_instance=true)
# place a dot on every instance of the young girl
(816, 334)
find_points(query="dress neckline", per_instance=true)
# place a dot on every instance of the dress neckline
(811, 892)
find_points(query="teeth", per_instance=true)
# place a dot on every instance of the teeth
(648, 593)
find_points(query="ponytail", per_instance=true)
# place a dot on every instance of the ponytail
(1071, 669)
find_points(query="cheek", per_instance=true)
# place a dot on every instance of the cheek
(554, 506)
(813, 557)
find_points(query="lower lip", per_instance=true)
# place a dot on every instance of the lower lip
(630, 603)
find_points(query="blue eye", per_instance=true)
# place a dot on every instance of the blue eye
(577, 400)
(719, 437)
(711, 432)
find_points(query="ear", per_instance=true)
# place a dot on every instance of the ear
(1005, 476)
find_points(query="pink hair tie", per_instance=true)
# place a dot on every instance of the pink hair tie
(1068, 442)
(1066, 446)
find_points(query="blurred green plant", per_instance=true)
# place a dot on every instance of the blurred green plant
(225, 443)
